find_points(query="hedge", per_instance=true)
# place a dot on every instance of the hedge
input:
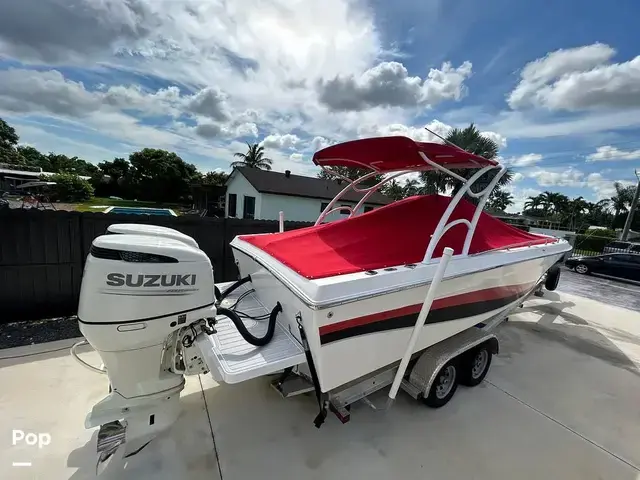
(591, 243)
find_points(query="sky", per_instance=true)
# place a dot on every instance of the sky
(558, 87)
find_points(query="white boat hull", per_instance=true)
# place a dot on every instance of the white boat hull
(352, 339)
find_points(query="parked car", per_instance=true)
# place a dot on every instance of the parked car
(621, 247)
(623, 265)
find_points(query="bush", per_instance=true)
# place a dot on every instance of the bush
(592, 243)
(70, 187)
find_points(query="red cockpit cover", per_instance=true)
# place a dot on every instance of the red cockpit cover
(393, 235)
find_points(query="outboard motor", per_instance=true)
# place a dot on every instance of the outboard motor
(143, 301)
(152, 230)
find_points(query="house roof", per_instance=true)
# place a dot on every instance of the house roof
(300, 186)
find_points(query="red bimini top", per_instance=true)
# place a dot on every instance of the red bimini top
(387, 154)
(392, 235)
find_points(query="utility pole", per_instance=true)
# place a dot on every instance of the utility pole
(632, 210)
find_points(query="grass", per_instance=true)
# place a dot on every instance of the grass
(111, 202)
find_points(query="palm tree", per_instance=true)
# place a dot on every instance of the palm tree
(500, 201)
(533, 203)
(434, 181)
(411, 187)
(576, 210)
(560, 203)
(546, 202)
(254, 158)
(471, 140)
(393, 190)
(620, 202)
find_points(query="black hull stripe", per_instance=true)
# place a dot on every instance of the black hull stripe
(435, 316)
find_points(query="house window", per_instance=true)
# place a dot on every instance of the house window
(323, 205)
(367, 208)
(249, 208)
(344, 211)
(233, 200)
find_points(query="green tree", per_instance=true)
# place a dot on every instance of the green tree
(351, 174)
(533, 203)
(33, 157)
(70, 187)
(8, 136)
(117, 169)
(393, 190)
(112, 178)
(471, 140)
(8, 144)
(620, 203)
(160, 175)
(215, 178)
(60, 163)
(500, 201)
(253, 158)
(575, 212)
(411, 187)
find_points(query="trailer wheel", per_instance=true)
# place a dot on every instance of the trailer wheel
(443, 387)
(553, 278)
(475, 366)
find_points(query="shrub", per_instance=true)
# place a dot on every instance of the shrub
(592, 243)
(70, 187)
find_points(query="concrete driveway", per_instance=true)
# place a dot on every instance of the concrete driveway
(560, 402)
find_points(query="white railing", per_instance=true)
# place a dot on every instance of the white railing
(444, 224)
(422, 317)
(368, 191)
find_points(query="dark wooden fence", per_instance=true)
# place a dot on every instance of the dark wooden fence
(42, 254)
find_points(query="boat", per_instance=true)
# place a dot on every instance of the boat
(341, 308)
(358, 284)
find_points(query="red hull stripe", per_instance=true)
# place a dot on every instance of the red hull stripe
(476, 296)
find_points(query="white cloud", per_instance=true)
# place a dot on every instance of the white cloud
(68, 32)
(526, 160)
(516, 124)
(608, 152)
(578, 79)
(41, 136)
(517, 177)
(209, 102)
(318, 143)
(211, 130)
(496, 137)
(557, 178)
(388, 84)
(520, 196)
(296, 157)
(287, 141)
(247, 129)
(419, 134)
(602, 187)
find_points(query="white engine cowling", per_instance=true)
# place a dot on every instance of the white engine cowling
(153, 230)
(137, 292)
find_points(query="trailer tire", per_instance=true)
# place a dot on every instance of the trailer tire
(553, 278)
(444, 386)
(475, 365)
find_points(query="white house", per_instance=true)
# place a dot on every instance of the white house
(260, 194)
